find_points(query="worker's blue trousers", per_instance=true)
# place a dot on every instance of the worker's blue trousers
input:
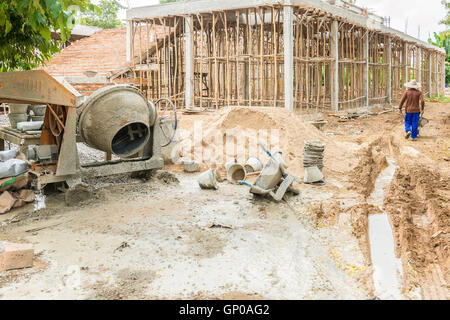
(412, 123)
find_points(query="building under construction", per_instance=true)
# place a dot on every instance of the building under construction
(303, 55)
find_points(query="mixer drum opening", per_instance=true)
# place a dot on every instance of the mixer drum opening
(118, 120)
(130, 139)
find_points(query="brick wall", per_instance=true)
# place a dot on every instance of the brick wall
(88, 88)
(103, 52)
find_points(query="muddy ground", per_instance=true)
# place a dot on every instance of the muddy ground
(165, 238)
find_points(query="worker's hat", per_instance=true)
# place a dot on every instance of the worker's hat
(413, 84)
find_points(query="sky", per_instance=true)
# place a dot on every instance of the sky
(423, 13)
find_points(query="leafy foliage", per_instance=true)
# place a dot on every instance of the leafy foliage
(106, 17)
(442, 40)
(26, 26)
(446, 20)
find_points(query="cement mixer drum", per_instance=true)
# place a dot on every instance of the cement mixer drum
(117, 119)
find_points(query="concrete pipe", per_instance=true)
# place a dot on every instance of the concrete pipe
(117, 119)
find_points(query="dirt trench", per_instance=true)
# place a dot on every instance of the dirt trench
(417, 203)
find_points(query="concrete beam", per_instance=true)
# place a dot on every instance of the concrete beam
(189, 56)
(335, 66)
(366, 78)
(288, 34)
(389, 71)
(193, 7)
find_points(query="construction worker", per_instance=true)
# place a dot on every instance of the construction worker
(414, 104)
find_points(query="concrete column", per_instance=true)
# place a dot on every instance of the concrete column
(437, 74)
(419, 65)
(366, 71)
(389, 71)
(130, 41)
(246, 72)
(430, 74)
(288, 34)
(443, 76)
(335, 66)
(405, 73)
(189, 59)
(442, 80)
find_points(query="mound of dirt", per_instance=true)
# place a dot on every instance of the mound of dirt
(235, 131)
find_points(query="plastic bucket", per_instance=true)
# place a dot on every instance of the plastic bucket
(190, 165)
(235, 172)
(253, 165)
(269, 177)
(207, 180)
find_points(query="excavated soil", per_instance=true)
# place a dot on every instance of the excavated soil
(418, 204)
(373, 161)
(277, 128)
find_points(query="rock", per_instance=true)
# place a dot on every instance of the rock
(16, 256)
(27, 195)
(167, 177)
(7, 201)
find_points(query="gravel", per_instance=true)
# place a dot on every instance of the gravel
(4, 121)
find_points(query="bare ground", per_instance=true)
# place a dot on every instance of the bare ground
(163, 239)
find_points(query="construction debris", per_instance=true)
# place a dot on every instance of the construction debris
(252, 165)
(191, 166)
(313, 154)
(235, 171)
(274, 179)
(313, 175)
(12, 168)
(14, 177)
(16, 256)
(207, 180)
(319, 124)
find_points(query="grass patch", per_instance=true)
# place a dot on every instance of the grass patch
(440, 99)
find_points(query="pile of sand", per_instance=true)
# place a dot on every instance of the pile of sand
(234, 132)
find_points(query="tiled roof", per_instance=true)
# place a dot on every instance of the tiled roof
(103, 52)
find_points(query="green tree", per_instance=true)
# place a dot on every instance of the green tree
(442, 40)
(446, 20)
(106, 17)
(26, 26)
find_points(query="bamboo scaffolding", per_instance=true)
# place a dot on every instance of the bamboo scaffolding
(238, 59)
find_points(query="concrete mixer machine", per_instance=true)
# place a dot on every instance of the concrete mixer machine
(117, 120)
